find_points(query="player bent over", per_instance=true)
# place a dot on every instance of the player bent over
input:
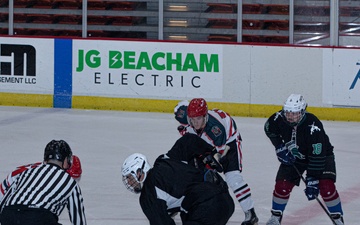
(74, 171)
(302, 145)
(40, 193)
(219, 129)
(172, 186)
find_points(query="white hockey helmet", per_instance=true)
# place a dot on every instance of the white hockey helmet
(134, 171)
(294, 108)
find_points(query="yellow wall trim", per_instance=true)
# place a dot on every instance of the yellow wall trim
(167, 106)
(234, 109)
(31, 100)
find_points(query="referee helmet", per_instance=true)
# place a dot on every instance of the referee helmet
(58, 150)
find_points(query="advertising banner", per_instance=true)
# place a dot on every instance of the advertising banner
(346, 77)
(147, 69)
(27, 65)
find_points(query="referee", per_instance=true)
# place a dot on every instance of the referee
(40, 194)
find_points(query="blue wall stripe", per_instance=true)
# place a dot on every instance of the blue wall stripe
(63, 73)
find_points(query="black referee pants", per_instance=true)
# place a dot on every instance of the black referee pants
(21, 215)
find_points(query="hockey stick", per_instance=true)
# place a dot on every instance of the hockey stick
(317, 199)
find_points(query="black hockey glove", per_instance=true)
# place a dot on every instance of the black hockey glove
(213, 161)
(182, 130)
(212, 176)
(312, 188)
(180, 112)
(284, 155)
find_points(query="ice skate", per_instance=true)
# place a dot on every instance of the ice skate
(337, 217)
(250, 218)
(275, 218)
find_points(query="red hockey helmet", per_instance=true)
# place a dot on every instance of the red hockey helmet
(197, 107)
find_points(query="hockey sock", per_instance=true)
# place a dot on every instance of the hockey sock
(281, 194)
(241, 189)
(330, 196)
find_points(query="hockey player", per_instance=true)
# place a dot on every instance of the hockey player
(193, 150)
(173, 186)
(301, 145)
(75, 172)
(219, 130)
(39, 194)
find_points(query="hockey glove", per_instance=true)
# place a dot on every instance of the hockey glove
(294, 149)
(312, 188)
(182, 130)
(212, 161)
(284, 155)
(180, 112)
(211, 176)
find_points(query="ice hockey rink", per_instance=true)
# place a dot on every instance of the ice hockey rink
(103, 139)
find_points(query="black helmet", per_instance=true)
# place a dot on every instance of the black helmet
(58, 150)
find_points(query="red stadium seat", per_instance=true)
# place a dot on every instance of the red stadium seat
(222, 23)
(43, 4)
(221, 8)
(97, 5)
(67, 4)
(276, 9)
(24, 3)
(252, 8)
(40, 18)
(20, 18)
(68, 19)
(222, 38)
(98, 20)
(276, 25)
(252, 24)
(120, 5)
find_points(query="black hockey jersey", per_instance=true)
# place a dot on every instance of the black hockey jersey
(309, 135)
(166, 186)
(190, 148)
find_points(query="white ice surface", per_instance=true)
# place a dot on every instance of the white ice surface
(103, 139)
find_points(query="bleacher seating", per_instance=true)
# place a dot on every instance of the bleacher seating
(252, 8)
(262, 21)
(68, 19)
(4, 31)
(276, 9)
(222, 23)
(43, 4)
(66, 4)
(221, 8)
(222, 38)
(261, 25)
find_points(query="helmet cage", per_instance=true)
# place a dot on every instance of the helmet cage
(134, 172)
(132, 182)
(294, 109)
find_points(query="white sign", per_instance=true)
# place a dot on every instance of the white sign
(26, 65)
(147, 69)
(346, 77)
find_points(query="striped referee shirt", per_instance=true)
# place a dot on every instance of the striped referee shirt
(47, 187)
